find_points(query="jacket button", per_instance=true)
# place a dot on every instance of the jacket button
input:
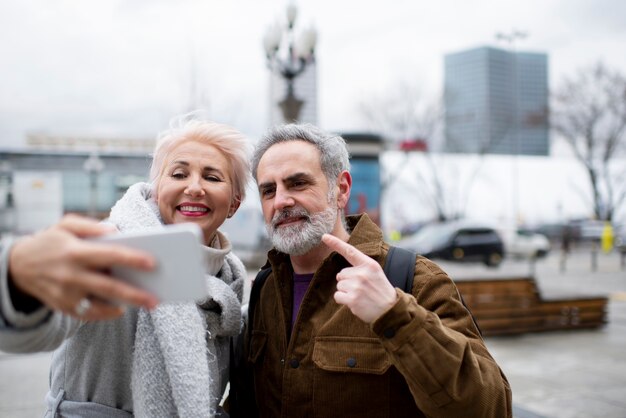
(389, 333)
(351, 362)
(294, 363)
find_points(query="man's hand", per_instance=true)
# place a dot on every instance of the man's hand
(59, 268)
(363, 288)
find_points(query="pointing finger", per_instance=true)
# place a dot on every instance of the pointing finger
(351, 254)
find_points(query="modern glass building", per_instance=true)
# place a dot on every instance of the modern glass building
(496, 102)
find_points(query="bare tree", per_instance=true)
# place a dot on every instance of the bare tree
(589, 112)
(404, 113)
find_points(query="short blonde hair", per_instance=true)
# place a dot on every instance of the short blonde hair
(226, 139)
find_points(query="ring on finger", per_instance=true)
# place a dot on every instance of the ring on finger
(82, 307)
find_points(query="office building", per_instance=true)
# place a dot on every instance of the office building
(496, 102)
(56, 174)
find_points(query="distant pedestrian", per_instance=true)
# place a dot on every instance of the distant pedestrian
(566, 241)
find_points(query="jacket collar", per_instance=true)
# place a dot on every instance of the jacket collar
(365, 235)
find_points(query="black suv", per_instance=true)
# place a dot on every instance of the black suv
(457, 241)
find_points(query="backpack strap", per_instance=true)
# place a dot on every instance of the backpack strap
(255, 294)
(400, 268)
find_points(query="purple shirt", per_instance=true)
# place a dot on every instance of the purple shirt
(300, 285)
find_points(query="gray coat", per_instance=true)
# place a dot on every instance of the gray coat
(144, 363)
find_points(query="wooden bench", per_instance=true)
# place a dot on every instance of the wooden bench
(515, 306)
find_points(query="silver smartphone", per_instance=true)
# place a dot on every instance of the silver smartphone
(177, 249)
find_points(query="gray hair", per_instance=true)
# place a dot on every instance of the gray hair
(226, 139)
(334, 157)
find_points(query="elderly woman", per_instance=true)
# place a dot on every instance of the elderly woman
(162, 362)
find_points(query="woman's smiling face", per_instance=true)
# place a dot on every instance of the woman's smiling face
(195, 185)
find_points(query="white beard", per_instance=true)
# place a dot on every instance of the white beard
(300, 238)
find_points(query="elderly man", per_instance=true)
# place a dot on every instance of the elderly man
(330, 336)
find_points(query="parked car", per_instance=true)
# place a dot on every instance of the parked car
(523, 243)
(457, 241)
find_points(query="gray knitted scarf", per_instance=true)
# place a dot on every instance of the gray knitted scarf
(180, 358)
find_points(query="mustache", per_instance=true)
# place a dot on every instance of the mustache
(290, 213)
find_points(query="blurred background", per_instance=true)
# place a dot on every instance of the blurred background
(493, 133)
(511, 113)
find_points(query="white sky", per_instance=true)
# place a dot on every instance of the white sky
(123, 67)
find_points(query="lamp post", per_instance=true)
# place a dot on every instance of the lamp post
(511, 39)
(289, 56)
(93, 166)
(7, 205)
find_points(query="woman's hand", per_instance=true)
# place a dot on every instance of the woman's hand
(67, 273)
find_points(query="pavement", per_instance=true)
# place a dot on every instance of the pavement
(565, 374)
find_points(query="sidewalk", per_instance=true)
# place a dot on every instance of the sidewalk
(565, 374)
(23, 384)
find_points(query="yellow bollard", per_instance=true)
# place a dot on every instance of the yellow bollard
(395, 235)
(607, 237)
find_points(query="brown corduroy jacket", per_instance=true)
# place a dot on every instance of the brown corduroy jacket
(422, 358)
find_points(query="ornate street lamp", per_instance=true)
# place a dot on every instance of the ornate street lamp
(289, 57)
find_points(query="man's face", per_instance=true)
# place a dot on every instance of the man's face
(298, 206)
